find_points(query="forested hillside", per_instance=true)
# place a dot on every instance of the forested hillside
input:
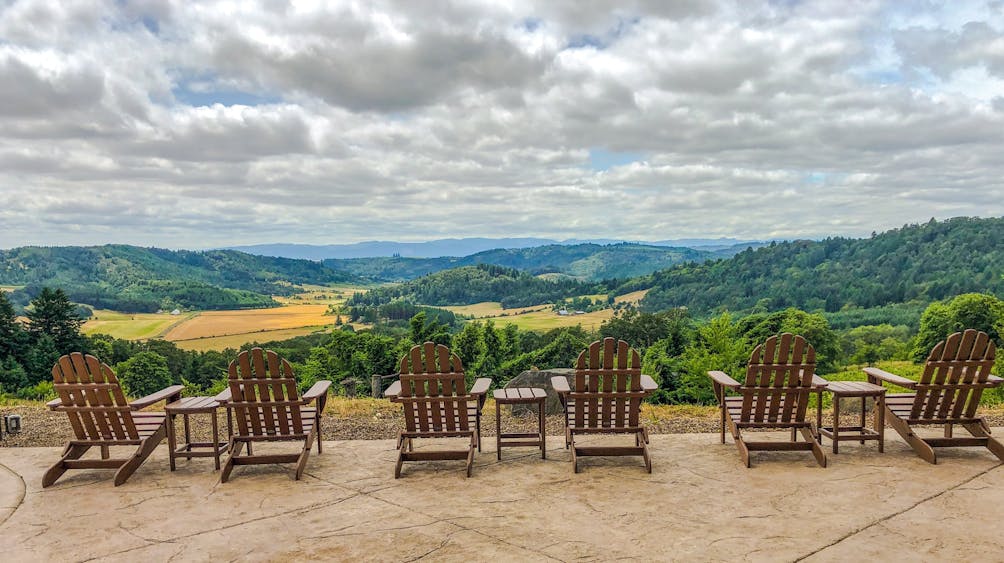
(917, 263)
(589, 262)
(474, 284)
(130, 278)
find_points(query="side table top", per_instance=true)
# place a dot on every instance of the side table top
(519, 394)
(192, 404)
(855, 388)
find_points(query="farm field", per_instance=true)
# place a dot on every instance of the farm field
(300, 314)
(238, 340)
(225, 323)
(488, 309)
(132, 326)
(540, 317)
(633, 297)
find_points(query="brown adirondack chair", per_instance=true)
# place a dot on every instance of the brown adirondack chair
(948, 392)
(775, 395)
(609, 388)
(265, 403)
(433, 392)
(90, 395)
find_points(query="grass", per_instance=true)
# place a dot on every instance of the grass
(547, 320)
(133, 326)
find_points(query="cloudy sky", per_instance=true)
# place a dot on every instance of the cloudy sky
(198, 124)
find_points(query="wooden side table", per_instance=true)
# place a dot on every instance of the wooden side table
(862, 389)
(517, 396)
(187, 406)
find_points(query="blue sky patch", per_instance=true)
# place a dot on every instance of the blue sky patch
(602, 159)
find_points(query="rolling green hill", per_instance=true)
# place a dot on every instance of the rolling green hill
(130, 278)
(914, 264)
(589, 262)
(474, 284)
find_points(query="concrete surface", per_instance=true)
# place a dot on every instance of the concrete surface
(699, 503)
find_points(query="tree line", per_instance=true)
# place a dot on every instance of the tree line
(677, 349)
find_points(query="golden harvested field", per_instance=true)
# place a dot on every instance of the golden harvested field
(633, 297)
(132, 326)
(238, 340)
(225, 323)
(490, 309)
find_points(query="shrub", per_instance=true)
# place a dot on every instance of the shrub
(144, 373)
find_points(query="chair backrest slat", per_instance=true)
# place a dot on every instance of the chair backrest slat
(778, 381)
(607, 391)
(264, 394)
(97, 407)
(433, 390)
(954, 376)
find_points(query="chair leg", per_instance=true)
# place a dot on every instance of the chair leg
(744, 451)
(301, 463)
(400, 463)
(994, 445)
(143, 452)
(317, 428)
(922, 449)
(817, 450)
(722, 408)
(70, 452)
(470, 454)
(235, 450)
(645, 455)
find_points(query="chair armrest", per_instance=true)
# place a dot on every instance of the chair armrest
(173, 393)
(818, 383)
(876, 373)
(648, 384)
(316, 390)
(53, 404)
(223, 396)
(560, 384)
(393, 391)
(724, 379)
(481, 386)
(995, 379)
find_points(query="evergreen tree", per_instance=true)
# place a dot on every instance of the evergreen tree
(490, 360)
(12, 375)
(467, 344)
(12, 335)
(41, 357)
(52, 314)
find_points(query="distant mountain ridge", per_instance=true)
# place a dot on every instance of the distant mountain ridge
(587, 261)
(135, 279)
(917, 263)
(456, 247)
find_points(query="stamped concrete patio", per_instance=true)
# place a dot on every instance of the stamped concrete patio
(699, 503)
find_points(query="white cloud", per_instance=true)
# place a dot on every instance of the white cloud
(193, 124)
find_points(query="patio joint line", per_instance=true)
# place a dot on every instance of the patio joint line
(20, 499)
(895, 514)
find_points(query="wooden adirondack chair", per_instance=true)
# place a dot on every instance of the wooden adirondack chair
(609, 388)
(775, 395)
(265, 403)
(948, 392)
(90, 395)
(433, 392)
